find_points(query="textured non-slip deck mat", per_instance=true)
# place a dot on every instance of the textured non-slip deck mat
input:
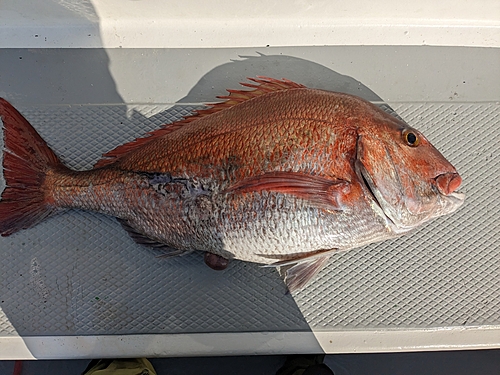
(80, 274)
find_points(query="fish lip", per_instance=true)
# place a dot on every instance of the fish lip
(456, 198)
(457, 195)
(450, 177)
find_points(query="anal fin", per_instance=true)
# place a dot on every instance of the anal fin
(297, 276)
(301, 269)
(141, 239)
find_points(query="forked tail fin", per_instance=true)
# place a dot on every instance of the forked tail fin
(26, 160)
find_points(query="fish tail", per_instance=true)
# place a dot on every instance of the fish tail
(26, 161)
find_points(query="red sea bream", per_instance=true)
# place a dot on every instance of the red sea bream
(281, 175)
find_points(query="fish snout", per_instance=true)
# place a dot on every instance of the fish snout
(447, 183)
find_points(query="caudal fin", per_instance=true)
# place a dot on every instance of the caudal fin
(26, 160)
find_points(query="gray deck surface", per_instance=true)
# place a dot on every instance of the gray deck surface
(80, 274)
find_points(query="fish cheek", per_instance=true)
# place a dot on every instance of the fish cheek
(397, 174)
(423, 166)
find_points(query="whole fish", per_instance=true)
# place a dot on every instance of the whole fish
(281, 175)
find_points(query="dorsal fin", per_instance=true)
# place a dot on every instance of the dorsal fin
(262, 85)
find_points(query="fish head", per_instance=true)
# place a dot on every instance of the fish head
(406, 176)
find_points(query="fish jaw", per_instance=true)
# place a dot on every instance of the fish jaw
(448, 204)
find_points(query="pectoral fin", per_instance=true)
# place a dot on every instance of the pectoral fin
(321, 192)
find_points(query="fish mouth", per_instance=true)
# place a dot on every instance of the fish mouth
(446, 185)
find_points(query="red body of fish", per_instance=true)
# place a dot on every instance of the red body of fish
(281, 175)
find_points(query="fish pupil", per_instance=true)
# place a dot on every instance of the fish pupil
(411, 138)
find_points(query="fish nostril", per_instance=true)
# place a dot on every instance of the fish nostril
(447, 183)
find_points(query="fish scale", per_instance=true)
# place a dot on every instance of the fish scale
(283, 231)
(212, 140)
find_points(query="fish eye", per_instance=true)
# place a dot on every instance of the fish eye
(411, 138)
